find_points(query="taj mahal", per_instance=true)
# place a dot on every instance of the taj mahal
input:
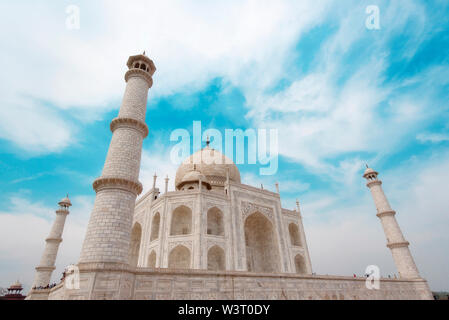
(213, 238)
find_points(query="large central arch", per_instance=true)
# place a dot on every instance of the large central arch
(262, 253)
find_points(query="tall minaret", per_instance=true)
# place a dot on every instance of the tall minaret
(47, 263)
(395, 240)
(109, 231)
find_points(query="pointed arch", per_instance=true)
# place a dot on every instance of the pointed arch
(152, 260)
(216, 260)
(181, 222)
(155, 223)
(262, 251)
(295, 240)
(300, 264)
(134, 246)
(215, 225)
(179, 258)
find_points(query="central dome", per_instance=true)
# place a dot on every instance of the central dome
(210, 163)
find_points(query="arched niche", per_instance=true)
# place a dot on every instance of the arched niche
(295, 239)
(179, 258)
(215, 225)
(134, 246)
(216, 260)
(262, 251)
(155, 227)
(181, 223)
(152, 260)
(300, 264)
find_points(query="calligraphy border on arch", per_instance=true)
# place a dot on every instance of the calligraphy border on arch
(174, 244)
(249, 208)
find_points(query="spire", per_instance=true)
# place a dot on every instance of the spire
(166, 184)
(154, 181)
(208, 141)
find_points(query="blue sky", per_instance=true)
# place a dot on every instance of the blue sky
(339, 94)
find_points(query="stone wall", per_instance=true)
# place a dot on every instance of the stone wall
(165, 284)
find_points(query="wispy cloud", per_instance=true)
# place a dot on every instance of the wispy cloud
(432, 137)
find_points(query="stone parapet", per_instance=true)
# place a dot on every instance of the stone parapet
(166, 284)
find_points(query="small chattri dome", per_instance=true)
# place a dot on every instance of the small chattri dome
(194, 176)
(369, 171)
(16, 286)
(65, 202)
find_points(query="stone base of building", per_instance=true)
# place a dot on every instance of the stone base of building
(38, 295)
(109, 283)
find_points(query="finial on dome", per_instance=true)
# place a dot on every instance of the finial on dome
(208, 141)
(144, 52)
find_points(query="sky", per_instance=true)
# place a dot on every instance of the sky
(339, 94)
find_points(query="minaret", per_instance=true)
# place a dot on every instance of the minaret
(109, 231)
(47, 263)
(395, 240)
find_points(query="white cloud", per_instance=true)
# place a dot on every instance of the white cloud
(432, 137)
(191, 43)
(34, 127)
(330, 118)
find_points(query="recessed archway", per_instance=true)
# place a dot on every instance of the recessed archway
(181, 223)
(300, 264)
(155, 227)
(295, 240)
(134, 247)
(152, 260)
(179, 258)
(262, 253)
(215, 222)
(216, 259)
